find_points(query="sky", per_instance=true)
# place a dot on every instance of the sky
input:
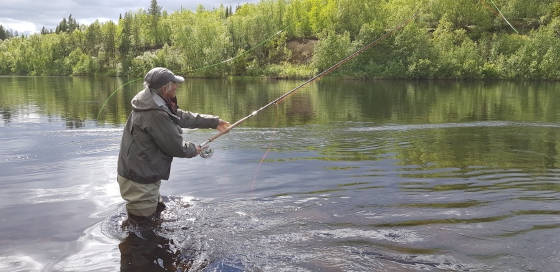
(29, 16)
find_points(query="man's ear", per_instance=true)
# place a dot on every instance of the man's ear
(164, 89)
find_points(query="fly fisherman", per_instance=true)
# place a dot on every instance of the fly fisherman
(151, 138)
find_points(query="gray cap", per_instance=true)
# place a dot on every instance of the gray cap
(160, 76)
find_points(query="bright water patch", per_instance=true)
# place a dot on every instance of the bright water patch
(18, 263)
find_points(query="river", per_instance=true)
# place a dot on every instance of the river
(342, 176)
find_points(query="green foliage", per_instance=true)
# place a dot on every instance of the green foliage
(3, 33)
(331, 49)
(414, 50)
(92, 37)
(143, 63)
(108, 46)
(66, 25)
(297, 19)
(154, 26)
(288, 71)
(372, 63)
(458, 54)
(465, 13)
(447, 39)
(555, 10)
(125, 44)
(537, 55)
(202, 40)
(79, 62)
(155, 9)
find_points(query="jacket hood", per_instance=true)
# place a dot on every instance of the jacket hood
(148, 99)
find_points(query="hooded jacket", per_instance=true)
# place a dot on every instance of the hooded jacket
(152, 137)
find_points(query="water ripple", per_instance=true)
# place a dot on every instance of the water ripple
(454, 125)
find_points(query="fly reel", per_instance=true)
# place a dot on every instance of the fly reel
(206, 152)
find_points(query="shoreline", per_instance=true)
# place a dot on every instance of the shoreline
(274, 78)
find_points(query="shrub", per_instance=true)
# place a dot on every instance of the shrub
(330, 49)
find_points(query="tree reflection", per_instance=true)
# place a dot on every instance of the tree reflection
(6, 115)
(333, 101)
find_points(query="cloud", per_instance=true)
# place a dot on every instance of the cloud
(31, 15)
(89, 21)
(23, 27)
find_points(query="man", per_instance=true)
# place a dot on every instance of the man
(151, 138)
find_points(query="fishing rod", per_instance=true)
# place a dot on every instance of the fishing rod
(207, 152)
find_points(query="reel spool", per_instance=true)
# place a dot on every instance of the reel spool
(206, 152)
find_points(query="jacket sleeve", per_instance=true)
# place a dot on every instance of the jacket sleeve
(167, 136)
(196, 120)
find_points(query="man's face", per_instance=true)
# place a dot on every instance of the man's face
(170, 91)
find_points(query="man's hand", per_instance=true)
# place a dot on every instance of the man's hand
(223, 125)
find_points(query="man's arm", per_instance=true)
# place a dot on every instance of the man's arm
(168, 138)
(197, 120)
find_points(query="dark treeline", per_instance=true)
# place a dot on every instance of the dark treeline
(447, 39)
(6, 33)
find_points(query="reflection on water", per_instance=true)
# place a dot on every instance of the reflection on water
(147, 251)
(342, 176)
(403, 102)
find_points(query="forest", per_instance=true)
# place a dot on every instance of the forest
(446, 39)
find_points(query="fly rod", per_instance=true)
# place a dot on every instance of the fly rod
(206, 151)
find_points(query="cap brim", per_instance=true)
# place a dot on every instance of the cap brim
(178, 79)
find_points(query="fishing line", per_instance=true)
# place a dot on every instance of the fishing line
(206, 151)
(500, 14)
(268, 149)
(242, 54)
(113, 93)
(489, 8)
(254, 181)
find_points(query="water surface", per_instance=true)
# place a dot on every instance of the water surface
(342, 176)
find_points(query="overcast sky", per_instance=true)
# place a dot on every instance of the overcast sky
(29, 16)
